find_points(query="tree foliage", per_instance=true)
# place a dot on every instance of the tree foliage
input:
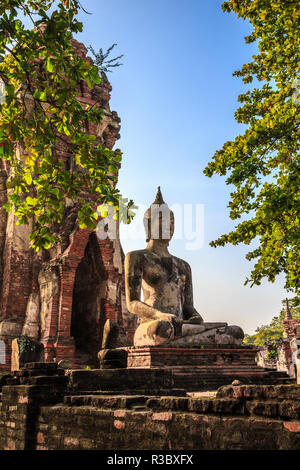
(102, 61)
(263, 163)
(274, 330)
(40, 70)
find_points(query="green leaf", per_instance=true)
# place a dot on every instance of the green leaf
(40, 95)
(28, 178)
(49, 65)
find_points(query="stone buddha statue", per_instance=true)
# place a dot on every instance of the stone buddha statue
(167, 314)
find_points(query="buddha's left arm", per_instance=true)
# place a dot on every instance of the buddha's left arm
(188, 308)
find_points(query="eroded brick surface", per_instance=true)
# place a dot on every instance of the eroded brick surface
(42, 417)
(62, 298)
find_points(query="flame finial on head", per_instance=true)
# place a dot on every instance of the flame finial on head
(160, 212)
(158, 197)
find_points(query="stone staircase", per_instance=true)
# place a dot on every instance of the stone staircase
(208, 367)
(83, 360)
(198, 378)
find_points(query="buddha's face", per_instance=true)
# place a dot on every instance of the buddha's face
(159, 223)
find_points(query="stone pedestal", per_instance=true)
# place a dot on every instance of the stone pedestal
(205, 367)
(204, 357)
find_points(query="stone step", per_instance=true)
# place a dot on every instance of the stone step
(215, 367)
(213, 370)
(83, 360)
(223, 372)
(193, 381)
(53, 380)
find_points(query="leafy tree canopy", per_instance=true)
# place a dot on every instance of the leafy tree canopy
(263, 163)
(40, 70)
(274, 330)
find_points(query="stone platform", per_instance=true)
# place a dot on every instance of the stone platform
(207, 367)
(41, 399)
(155, 356)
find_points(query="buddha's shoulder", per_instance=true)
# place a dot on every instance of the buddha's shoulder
(136, 254)
(184, 265)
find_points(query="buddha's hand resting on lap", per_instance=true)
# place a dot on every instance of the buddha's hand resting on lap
(173, 319)
(167, 317)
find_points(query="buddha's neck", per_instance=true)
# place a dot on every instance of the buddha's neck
(159, 247)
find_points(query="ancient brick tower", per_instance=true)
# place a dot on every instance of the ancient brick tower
(291, 339)
(62, 298)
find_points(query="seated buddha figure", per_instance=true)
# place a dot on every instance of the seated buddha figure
(166, 312)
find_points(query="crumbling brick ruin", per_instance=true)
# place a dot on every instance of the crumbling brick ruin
(62, 297)
(46, 408)
(283, 350)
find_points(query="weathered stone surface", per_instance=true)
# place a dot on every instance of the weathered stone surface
(114, 336)
(179, 356)
(31, 327)
(48, 366)
(65, 364)
(10, 329)
(37, 417)
(205, 368)
(119, 379)
(3, 377)
(260, 392)
(112, 358)
(42, 413)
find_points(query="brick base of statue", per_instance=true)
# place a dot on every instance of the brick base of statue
(161, 356)
(205, 367)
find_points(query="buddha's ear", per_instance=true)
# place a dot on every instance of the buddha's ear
(147, 226)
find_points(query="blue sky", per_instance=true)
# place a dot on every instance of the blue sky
(176, 97)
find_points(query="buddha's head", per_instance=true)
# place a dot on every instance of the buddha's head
(159, 220)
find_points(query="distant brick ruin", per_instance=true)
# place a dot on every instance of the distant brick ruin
(281, 354)
(62, 297)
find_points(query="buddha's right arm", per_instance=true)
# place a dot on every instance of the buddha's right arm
(133, 267)
(144, 311)
(148, 313)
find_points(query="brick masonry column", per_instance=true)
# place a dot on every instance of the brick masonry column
(49, 335)
(112, 302)
(17, 273)
(64, 345)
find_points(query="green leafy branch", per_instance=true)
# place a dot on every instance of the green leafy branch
(263, 163)
(42, 120)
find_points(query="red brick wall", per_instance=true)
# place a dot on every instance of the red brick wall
(21, 266)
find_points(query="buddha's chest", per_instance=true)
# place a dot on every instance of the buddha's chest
(162, 271)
